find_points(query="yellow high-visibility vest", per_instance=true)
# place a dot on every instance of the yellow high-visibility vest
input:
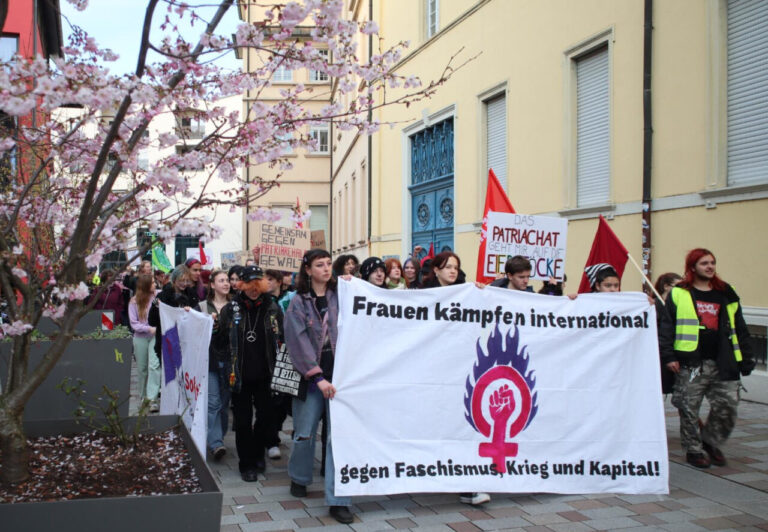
(687, 323)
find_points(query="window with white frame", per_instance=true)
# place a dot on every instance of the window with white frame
(9, 46)
(322, 136)
(747, 95)
(592, 128)
(496, 137)
(433, 17)
(317, 75)
(282, 75)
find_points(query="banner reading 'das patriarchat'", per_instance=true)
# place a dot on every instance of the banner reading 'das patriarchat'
(463, 389)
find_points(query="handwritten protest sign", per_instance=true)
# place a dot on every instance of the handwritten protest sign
(542, 239)
(318, 239)
(281, 248)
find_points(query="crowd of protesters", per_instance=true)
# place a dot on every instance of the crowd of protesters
(703, 341)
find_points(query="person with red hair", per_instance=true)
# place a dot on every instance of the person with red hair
(704, 340)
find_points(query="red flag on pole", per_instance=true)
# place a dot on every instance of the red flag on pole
(496, 200)
(430, 255)
(203, 258)
(606, 248)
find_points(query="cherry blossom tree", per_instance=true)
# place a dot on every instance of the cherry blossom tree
(79, 191)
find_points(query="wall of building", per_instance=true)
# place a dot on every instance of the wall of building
(309, 180)
(349, 170)
(525, 49)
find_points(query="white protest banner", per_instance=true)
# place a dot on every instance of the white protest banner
(281, 248)
(540, 238)
(184, 391)
(459, 389)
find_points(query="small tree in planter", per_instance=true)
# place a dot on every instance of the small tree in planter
(81, 193)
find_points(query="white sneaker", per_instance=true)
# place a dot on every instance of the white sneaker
(274, 453)
(474, 499)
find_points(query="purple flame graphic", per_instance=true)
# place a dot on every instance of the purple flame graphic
(498, 356)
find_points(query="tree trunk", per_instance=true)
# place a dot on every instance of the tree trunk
(13, 444)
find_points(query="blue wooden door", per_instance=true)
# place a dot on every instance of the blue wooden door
(432, 187)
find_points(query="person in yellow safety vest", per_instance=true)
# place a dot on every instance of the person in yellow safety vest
(704, 340)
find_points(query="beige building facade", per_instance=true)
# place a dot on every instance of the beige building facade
(350, 172)
(308, 181)
(554, 101)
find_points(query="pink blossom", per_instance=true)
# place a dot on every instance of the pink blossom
(370, 28)
(16, 328)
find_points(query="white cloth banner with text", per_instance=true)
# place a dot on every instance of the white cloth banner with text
(184, 392)
(460, 389)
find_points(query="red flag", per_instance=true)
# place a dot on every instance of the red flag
(496, 200)
(430, 255)
(203, 258)
(606, 248)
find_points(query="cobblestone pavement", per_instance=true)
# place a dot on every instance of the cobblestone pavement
(734, 497)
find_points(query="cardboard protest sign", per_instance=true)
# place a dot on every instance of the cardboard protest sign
(281, 248)
(229, 259)
(318, 239)
(514, 392)
(542, 239)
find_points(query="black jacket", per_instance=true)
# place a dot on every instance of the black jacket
(218, 350)
(233, 320)
(727, 366)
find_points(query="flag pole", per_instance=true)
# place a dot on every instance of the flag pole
(645, 277)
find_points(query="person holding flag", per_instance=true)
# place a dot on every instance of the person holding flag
(607, 250)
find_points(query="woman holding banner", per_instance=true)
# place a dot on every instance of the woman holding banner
(310, 333)
(446, 269)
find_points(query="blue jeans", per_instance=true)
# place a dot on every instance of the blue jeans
(306, 416)
(218, 404)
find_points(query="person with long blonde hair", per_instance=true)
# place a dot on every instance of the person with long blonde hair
(147, 363)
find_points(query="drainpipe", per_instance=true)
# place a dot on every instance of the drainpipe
(647, 136)
(370, 138)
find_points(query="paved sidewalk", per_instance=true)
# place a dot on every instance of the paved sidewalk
(725, 498)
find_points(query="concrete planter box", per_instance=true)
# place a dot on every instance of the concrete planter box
(199, 512)
(98, 362)
(90, 322)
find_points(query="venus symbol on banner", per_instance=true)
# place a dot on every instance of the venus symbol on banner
(499, 376)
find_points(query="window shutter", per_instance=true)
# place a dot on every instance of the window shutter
(747, 92)
(319, 219)
(496, 135)
(592, 129)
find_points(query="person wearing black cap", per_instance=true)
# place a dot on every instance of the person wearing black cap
(256, 332)
(374, 271)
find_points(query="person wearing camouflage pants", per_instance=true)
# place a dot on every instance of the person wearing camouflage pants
(690, 388)
(704, 340)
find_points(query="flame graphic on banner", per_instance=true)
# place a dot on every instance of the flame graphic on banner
(512, 356)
